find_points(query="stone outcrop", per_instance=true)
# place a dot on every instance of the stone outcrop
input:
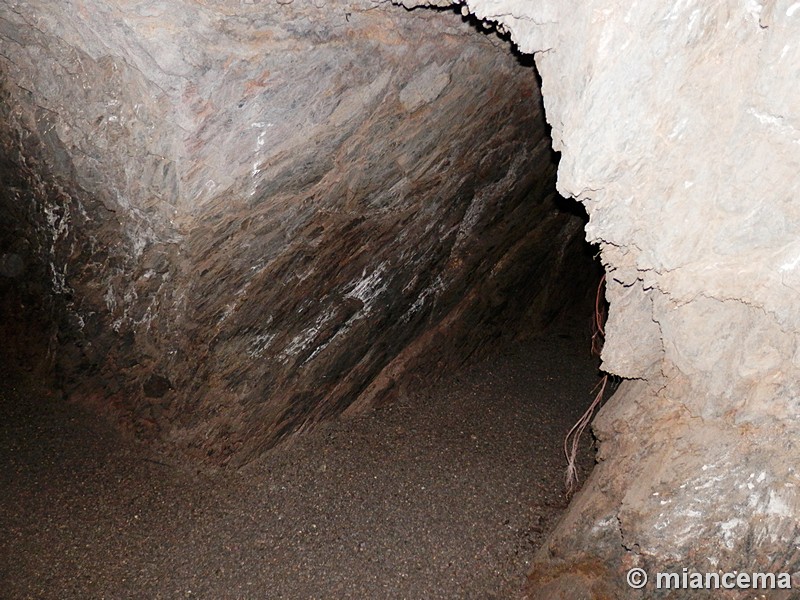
(255, 216)
(679, 130)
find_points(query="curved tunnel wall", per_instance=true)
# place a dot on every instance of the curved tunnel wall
(253, 218)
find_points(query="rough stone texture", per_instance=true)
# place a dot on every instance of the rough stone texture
(253, 216)
(679, 130)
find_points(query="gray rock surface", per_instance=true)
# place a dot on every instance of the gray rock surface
(679, 130)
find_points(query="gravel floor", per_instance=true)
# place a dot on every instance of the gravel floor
(444, 494)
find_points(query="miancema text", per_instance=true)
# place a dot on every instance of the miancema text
(735, 580)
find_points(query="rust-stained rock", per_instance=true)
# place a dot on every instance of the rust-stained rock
(253, 217)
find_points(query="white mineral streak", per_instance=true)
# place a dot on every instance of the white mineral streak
(369, 287)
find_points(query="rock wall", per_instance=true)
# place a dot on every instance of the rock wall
(255, 216)
(679, 130)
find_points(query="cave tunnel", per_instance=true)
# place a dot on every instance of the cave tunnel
(344, 226)
(297, 299)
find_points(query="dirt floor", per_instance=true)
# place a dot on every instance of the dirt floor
(443, 494)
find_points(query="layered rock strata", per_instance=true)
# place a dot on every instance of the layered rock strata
(251, 217)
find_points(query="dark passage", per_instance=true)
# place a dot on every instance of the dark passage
(443, 494)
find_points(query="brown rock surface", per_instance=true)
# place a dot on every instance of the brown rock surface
(253, 217)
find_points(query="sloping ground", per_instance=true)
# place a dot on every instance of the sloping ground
(444, 494)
